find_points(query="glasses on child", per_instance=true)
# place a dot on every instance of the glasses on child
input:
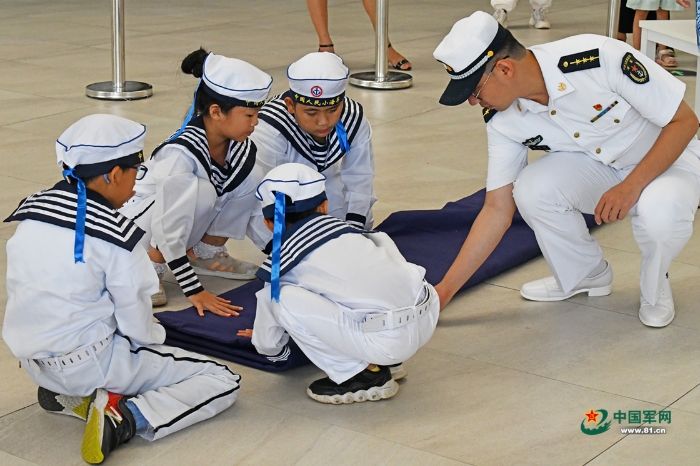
(141, 171)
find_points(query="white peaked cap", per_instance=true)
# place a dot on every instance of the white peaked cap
(231, 78)
(318, 75)
(305, 186)
(100, 138)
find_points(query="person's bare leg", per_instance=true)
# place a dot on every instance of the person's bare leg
(394, 56)
(639, 15)
(622, 36)
(661, 15)
(155, 255)
(318, 10)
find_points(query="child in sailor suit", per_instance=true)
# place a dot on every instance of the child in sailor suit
(315, 124)
(200, 188)
(79, 313)
(347, 297)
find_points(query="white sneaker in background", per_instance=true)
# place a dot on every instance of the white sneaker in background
(539, 20)
(502, 17)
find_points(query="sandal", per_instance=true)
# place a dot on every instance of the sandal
(326, 46)
(400, 63)
(665, 58)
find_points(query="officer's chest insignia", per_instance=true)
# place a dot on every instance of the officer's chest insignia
(633, 69)
(580, 61)
(488, 113)
(598, 107)
(534, 143)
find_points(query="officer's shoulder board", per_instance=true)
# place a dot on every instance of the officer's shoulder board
(580, 61)
(633, 69)
(488, 113)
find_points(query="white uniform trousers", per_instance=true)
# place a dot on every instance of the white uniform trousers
(173, 388)
(225, 216)
(552, 192)
(336, 343)
(509, 5)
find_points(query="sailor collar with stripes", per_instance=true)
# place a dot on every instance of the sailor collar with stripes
(321, 155)
(304, 237)
(58, 206)
(240, 159)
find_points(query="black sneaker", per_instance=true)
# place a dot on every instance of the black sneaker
(366, 385)
(53, 402)
(109, 424)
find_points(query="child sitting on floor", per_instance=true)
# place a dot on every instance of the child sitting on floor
(347, 297)
(79, 313)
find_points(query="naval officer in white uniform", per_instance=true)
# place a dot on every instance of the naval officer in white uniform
(619, 140)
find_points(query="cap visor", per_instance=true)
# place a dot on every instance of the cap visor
(458, 90)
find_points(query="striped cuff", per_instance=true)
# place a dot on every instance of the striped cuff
(356, 220)
(185, 276)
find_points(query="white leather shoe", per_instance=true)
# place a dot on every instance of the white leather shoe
(663, 312)
(547, 289)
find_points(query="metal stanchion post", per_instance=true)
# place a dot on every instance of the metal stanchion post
(613, 18)
(118, 88)
(381, 78)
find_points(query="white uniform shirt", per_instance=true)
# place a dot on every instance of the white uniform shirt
(350, 181)
(360, 273)
(620, 138)
(55, 306)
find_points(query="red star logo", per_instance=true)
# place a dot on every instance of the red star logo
(592, 416)
(634, 68)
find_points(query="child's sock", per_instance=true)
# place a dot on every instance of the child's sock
(141, 422)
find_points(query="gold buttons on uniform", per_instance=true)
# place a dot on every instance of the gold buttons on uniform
(554, 112)
(576, 135)
(597, 151)
(616, 120)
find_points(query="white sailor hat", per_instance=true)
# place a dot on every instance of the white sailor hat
(235, 81)
(464, 52)
(97, 143)
(318, 79)
(305, 187)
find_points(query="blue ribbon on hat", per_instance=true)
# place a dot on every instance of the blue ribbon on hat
(342, 136)
(190, 113)
(697, 21)
(277, 244)
(80, 215)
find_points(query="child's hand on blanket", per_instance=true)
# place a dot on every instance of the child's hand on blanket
(219, 306)
(247, 333)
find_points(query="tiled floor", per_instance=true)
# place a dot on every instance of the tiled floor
(504, 381)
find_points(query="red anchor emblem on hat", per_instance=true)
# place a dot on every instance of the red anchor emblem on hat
(316, 91)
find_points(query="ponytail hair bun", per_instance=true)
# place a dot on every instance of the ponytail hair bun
(194, 63)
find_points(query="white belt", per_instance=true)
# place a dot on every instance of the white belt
(76, 357)
(398, 317)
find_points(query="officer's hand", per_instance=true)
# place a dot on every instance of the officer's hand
(247, 333)
(684, 3)
(615, 203)
(205, 301)
(444, 295)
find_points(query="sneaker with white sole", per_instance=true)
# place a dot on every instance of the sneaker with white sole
(224, 266)
(547, 289)
(502, 17)
(662, 313)
(539, 19)
(159, 298)
(365, 386)
(76, 406)
(398, 372)
(109, 424)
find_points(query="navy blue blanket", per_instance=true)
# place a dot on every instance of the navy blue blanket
(431, 238)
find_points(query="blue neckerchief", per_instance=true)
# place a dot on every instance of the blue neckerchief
(342, 136)
(190, 113)
(277, 244)
(80, 216)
